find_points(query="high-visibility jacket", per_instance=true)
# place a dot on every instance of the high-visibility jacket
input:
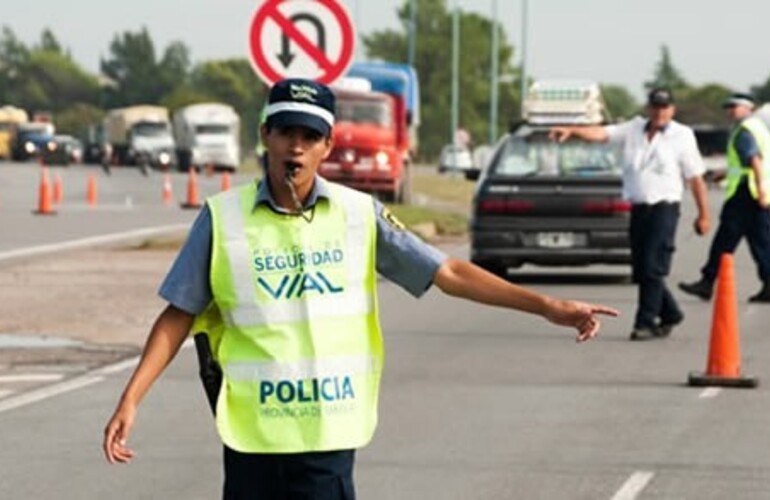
(301, 347)
(735, 170)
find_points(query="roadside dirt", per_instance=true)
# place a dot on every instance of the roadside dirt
(102, 296)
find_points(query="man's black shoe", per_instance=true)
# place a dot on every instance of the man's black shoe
(665, 328)
(644, 334)
(763, 295)
(701, 288)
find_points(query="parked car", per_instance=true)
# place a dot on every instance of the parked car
(72, 147)
(551, 204)
(455, 158)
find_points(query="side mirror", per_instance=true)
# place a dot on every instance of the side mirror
(472, 174)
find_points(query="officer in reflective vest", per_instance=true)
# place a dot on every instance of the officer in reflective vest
(284, 272)
(746, 211)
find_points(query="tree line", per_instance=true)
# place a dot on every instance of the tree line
(43, 76)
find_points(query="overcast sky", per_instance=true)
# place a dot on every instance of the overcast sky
(612, 41)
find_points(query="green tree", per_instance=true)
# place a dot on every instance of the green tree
(76, 119)
(13, 56)
(666, 74)
(43, 77)
(49, 42)
(762, 91)
(433, 52)
(703, 105)
(140, 76)
(619, 101)
(232, 81)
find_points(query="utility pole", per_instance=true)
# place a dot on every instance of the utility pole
(493, 95)
(524, 23)
(455, 71)
(412, 32)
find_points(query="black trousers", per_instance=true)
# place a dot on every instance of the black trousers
(741, 216)
(298, 476)
(652, 234)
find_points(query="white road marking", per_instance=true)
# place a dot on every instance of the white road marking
(710, 392)
(5, 392)
(89, 378)
(633, 485)
(94, 240)
(31, 377)
(47, 392)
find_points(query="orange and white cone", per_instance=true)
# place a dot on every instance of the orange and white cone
(724, 359)
(168, 194)
(44, 202)
(192, 191)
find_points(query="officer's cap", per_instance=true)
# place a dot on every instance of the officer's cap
(660, 97)
(300, 102)
(739, 99)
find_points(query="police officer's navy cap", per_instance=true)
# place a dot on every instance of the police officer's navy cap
(660, 96)
(300, 102)
(739, 99)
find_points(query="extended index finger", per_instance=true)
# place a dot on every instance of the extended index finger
(607, 311)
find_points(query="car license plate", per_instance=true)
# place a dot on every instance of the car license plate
(556, 240)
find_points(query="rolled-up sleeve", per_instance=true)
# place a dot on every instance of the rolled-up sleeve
(402, 257)
(617, 133)
(691, 160)
(187, 286)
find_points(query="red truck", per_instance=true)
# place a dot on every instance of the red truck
(374, 130)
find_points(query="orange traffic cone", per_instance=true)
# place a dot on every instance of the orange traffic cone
(225, 181)
(168, 195)
(209, 169)
(58, 190)
(724, 361)
(192, 191)
(92, 194)
(44, 195)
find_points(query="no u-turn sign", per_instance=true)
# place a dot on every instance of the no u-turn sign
(311, 39)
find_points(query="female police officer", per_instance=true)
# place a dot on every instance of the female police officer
(288, 266)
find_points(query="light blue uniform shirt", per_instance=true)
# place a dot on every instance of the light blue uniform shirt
(401, 257)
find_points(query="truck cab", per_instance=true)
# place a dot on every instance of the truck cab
(208, 134)
(372, 146)
(32, 140)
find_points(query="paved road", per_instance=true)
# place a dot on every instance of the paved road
(127, 200)
(477, 404)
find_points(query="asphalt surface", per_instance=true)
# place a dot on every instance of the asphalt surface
(477, 403)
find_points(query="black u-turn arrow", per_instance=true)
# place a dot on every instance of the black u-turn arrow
(286, 56)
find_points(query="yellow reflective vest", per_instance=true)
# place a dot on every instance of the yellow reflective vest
(735, 171)
(300, 343)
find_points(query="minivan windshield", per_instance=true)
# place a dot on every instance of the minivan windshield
(537, 155)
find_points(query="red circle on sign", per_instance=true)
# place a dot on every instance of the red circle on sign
(331, 69)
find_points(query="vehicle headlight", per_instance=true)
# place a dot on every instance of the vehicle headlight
(51, 146)
(164, 158)
(382, 161)
(348, 156)
(29, 147)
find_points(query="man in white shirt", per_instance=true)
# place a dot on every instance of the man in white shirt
(658, 156)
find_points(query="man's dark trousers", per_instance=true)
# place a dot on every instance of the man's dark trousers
(298, 476)
(653, 233)
(741, 216)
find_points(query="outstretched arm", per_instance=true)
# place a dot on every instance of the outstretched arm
(466, 280)
(166, 337)
(590, 134)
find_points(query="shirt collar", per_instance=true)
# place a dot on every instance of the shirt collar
(319, 191)
(661, 130)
